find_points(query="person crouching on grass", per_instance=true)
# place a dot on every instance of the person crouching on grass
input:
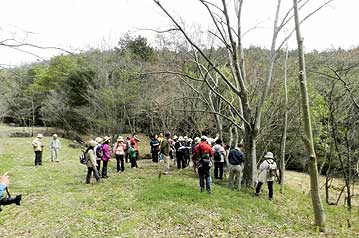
(4, 183)
(91, 162)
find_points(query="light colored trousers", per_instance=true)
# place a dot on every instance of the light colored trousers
(167, 162)
(235, 173)
(54, 154)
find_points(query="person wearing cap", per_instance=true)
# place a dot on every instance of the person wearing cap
(38, 148)
(106, 155)
(264, 174)
(187, 150)
(98, 151)
(204, 152)
(179, 148)
(165, 148)
(155, 147)
(119, 150)
(219, 163)
(91, 162)
(236, 166)
(55, 146)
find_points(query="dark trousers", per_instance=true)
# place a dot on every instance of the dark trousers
(120, 163)
(270, 188)
(133, 162)
(38, 158)
(104, 168)
(91, 171)
(127, 157)
(204, 174)
(218, 167)
(155, 156)
(98, 165)
(181, 161)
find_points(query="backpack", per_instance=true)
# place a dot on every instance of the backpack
(99, 151)
(217, 156)
(83, 158)
(272, 169)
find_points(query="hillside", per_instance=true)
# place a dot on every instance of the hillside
(137, 203)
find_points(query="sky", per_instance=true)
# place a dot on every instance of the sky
(78, 25)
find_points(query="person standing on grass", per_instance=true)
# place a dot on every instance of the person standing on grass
(135, 140)
(179, 148)
(205, 153)
(127, 150)
(106, 155)
(133, 155)
(55, 146)
(267, 172)
(119, 150)
(155, 147)
(218, 158)
(91, 162)
(236, 166)
(98, 152)
(165, 149)
(38, 148)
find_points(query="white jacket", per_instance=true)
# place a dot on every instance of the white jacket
(263, 170)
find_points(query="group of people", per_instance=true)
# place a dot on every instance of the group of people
(38, 148)
(201, 153)
(100, 151)
(205, 152)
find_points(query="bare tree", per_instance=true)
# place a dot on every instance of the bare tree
(319, 214)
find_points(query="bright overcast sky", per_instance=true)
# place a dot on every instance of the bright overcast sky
(84, 24)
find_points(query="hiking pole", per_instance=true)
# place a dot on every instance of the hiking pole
(7, 191)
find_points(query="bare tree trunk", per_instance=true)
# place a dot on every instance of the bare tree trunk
(285, 125)
(319, 214)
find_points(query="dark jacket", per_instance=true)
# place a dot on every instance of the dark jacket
(236, 157)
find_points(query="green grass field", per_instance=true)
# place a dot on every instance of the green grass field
(139, 203)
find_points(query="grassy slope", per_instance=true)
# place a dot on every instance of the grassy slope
(137, 203)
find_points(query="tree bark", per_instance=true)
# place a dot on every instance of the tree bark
(285, 125)
(319, 214)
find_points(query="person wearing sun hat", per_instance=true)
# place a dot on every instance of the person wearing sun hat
(119, 150)
(91, 162)
(38, 146)
(266, 175)
(106, 155)
(55, 146)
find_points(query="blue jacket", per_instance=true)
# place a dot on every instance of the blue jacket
(236, 156)
(2, 189)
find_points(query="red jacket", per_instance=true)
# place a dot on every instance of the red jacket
(133, 140)
(203, 148)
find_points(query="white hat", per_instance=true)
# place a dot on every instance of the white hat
(203, 138)
(269, 155)
(175, 137)
(92, 143)
(54, 135)
(39, 136)
(180, 138)
(106, 138)
(197, 140)
(120, 138)
(98, 139)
